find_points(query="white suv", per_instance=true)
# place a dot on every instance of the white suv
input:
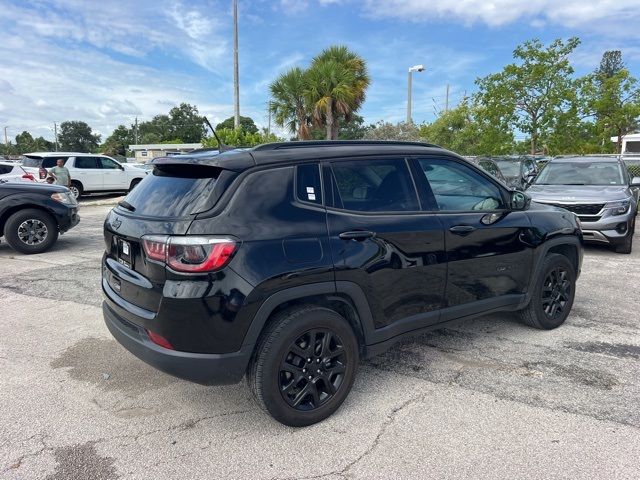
(90, 173)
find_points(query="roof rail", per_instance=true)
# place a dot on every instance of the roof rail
(335, 143)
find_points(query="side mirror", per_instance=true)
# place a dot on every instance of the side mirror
(519, 200)
(635, 182)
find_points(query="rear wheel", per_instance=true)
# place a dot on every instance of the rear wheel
(31, 231)
(76, 188)
(553, 294)
(304, 365)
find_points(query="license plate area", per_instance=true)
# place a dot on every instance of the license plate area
(125, 255)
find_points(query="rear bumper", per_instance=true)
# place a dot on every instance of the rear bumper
(203, 368)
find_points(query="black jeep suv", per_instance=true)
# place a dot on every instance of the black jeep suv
(290, 262)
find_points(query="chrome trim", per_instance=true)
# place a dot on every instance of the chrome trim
(594, 236)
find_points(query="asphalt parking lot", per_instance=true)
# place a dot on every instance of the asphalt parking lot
(488, 398)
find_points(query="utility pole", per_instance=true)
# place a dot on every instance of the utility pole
(55, 134)
(415, 68)
(236, 80)
(135, 132)
(269, 127)
(446, 103)
(6, 141)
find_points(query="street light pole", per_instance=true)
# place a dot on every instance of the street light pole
(415, 68)
(236, 81)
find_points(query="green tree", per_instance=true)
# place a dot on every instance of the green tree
(240, 138)
(25, 142)
(287, 104)
(610, 64)
(614, 101)
(118, 142)
(466, 130)
(77, 137)
(337, 81)
(246, 123)
(401, 131)
(529, 95)
(186, 124)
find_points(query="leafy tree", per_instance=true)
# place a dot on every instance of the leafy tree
(614, 101)
(337, 81)
(466, 130)
(287, 103)
(118, 142)
(610, 64)
(531, 94)
(25, 142)
(400, 131)
(240, 138)
(246, 123)
(185, 123)
(77, 137)
(354, 129)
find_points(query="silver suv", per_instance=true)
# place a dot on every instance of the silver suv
(598, 190)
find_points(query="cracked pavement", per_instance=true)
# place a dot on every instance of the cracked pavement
(486, 398)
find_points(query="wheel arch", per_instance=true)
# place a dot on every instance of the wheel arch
(4, 216)
(339, 298)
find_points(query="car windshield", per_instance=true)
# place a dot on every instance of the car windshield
(509, 168)
(581, 173)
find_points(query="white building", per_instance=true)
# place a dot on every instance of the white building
(153, 150)
(630, 143)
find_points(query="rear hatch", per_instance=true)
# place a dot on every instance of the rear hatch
(164, 203)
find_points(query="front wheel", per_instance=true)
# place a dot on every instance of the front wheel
(553, 294)
(31, 231)
(304, 365)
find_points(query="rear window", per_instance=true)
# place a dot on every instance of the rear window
(34, 162)
(37, 162)
(174, 191)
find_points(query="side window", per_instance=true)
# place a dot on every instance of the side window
(308, 187)
(529, 166)
(4, 169)
(86, 162)
(50, 162)
(107, 163)
(375, 186)
(457, 187)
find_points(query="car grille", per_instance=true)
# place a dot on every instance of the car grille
(581, 209)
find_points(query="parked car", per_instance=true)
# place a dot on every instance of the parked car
(32, 214)
(14, 172)
(518, 171)
(489, 166)
(599, 191)
(90, 173)
(290, 262)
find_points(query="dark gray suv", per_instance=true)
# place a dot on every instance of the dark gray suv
(599, 191)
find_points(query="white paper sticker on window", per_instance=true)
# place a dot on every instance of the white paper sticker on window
(310, 190)
(312, 197)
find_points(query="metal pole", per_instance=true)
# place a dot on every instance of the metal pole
(6, 141)
(269, 127)
(446, 103)
(236, 80)
(135, 132)
(55, 134)
(409, 100)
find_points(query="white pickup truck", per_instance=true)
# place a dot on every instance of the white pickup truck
(90, 172)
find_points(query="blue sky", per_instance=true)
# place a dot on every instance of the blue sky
(106, 62)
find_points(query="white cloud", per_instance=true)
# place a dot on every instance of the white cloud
(500, 12)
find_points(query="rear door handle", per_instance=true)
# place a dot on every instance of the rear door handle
(357, 235)
(462, 229)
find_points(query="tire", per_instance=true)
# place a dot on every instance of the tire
(76, 188)
(134, 183)
(31, 231)
(540, 313)
(280, 377)
(627, 245)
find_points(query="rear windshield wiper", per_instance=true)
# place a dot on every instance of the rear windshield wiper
(126, 205)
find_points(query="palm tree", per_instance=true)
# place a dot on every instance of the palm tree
(287, 102)
(330, 93)
(360, 80)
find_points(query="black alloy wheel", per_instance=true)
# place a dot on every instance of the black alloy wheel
(313, 369)
(556, 293)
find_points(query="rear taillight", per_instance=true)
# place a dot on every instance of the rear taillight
(28, 176)
(197, 254)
